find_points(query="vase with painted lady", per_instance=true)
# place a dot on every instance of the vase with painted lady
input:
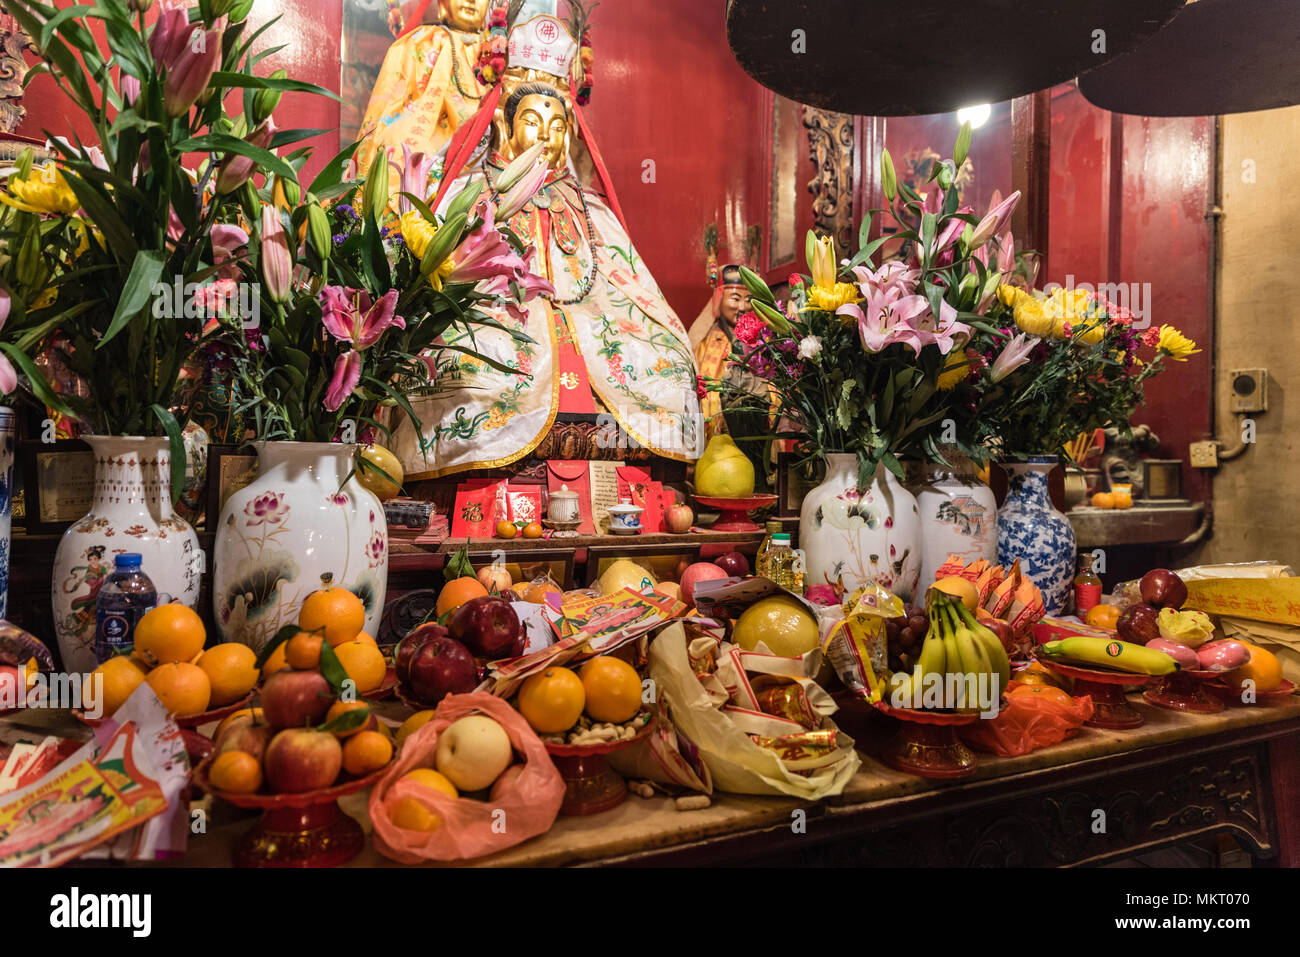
(959, 514)
(131, 511)
(851, 536)
(1031, 530)
(304, 516)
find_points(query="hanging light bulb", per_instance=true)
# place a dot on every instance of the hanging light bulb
(976, 116)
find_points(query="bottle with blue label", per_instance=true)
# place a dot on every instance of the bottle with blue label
(119, 606)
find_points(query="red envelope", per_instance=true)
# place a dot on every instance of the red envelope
(524, 503)
(634, 485)
(479, 506)
(576, 474)
(575, 384)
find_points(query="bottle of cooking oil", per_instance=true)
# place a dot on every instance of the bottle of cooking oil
(760, 560)
(783, 566)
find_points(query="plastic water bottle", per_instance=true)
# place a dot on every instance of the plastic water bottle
(119, 606)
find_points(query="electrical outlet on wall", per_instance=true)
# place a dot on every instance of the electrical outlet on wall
(1249, 390)
(1204, 455)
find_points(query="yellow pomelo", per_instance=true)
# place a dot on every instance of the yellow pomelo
(723, 471)
(625, 574)
(781, 623)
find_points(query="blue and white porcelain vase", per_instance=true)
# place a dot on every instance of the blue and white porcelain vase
(1031, 530)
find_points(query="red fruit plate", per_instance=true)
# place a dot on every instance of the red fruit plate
(590, 784)
(189, 722)
(386, 687)
(1221, 689)
(1110, 709)
(306, 829)
(1185, 691)
(927, 744)
(735, 511)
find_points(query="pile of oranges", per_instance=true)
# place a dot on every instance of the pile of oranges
(1112, 500)
(169, 657)
(334, 615)
(605, 689)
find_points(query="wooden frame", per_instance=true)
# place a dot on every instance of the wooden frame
(228, 472)
(38, 458)
(790, 487)
(639, 552)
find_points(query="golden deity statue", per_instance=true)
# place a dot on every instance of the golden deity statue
(605, 341)
(427, 86)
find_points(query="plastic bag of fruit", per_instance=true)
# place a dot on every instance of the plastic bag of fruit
(520, 803)
(1033, 717)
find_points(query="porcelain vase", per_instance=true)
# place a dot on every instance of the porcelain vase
(855, 536)
(6, 502)
(1032, 530)
(131, 512)
(301, 521)
(959, 516)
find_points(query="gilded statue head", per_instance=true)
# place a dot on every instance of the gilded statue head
(536, 112)
(468, 16)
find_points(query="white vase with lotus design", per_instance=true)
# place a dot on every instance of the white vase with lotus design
(854, 536)
(303, 519)
(131, 512)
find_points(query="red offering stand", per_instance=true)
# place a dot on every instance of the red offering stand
(735, 511)
(927, 744)
(1185, 691)
(307, 829)
(385, 689)
(590, 784)
(1232, 696)
(189, 722)
(1110, 709)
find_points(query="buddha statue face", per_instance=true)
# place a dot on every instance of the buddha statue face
(539, 117)
(467, 16)
(734, 303)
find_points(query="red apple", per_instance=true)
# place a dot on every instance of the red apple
(1003, 630)
(1163, 589)
(734, 564)
(488, 627)
(408, 646)
(302, 759)
(1138, 624)
(294, 699)
(679, 519)
(244, 735)
(699, 572)
(441, 666)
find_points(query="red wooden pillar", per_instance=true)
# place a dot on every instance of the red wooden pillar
(1031, 171)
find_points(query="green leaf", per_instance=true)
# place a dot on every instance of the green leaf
(458, 566)
(230, 79)
(331, 668)
(962, 149)
(177, 443)
(332, 175)
(349, 720)
(35, 378)
(279, 638)
(145, 272)
(103, 214)
(226, 143)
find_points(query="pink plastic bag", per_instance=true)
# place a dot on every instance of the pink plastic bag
(524, 807)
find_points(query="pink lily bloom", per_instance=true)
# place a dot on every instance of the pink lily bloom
(277, 262)
(8, 375)
(933, 201)
(128, 87)
(188, 55)
(227, 240)
(885, 317)
(995, 220)
(349, 316)
(235, 170)
(1014, 354)
(414, 174)
(943, 332)
(891, 275)
(485, 254)
(1006, 254)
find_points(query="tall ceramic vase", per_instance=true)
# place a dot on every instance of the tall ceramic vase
(131, 512)
(858, 535)
(959, 516)
(6, 502)
(301, 519)
(1032, 530)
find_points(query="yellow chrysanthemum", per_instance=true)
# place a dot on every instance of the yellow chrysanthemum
(45, 192)
(1176, 344)
(1094, 331)
(46, 299)
(831, 298)
(1010, 296)
(954, 370)
(1030, 317)
(417, 232)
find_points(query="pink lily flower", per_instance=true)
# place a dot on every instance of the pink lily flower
(1014, 354)
(485, 254)
(995, 220)
(227, 240)
(350, 316)
(277, 262)
(8, 375)
(517, 197)
(891, 275)
(128, 87)
(1006, 254)
(943, 332)
(414, 175)
(885, 317)
(933, 201)
(188, 55)
(235, 170)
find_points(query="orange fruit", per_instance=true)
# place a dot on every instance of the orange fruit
(302, 651)
(1103, 500)
(236, 771)
(1036, 673)
(1103, 616)
(278, 660)
(232, 672)
(108, 686)
(169, 633)
(183, 688)
(364, 664)
(255, 714)
(413, 724)
(961, 589)
(533, 530)
(366, 637)
(1263, 668)
(612, 688)
(410, 813)
(335, 609)
(1044, 691)
(366, 752)
(507, 529)
(339, 708)
(1121, 500)
(456, 592)
(552, 700)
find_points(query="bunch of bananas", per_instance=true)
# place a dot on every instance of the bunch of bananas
(962, 664)
(1110, 654)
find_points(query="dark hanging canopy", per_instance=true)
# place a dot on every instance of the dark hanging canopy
(886, 58)
(1216, 56)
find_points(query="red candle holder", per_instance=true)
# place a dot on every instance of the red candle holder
(927, 744)
(1185, 691)
(590, 784)
(735, 511)
(1110, 708)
